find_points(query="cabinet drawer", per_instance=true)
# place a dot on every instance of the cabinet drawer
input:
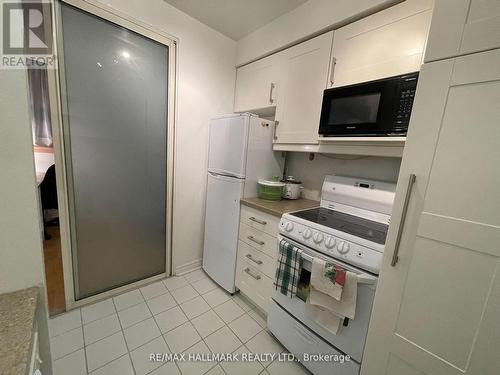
(259, 240)
(258, 259)
(253, 283)
(260, 220)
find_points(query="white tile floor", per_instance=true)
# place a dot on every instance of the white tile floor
(181, 314)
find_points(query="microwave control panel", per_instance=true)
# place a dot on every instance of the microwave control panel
(405, 104)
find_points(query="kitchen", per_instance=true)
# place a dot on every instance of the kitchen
(320, 117)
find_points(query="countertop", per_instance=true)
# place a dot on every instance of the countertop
(17, 319)
(278, 208)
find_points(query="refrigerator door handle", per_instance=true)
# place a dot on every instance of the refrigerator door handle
(224, 177)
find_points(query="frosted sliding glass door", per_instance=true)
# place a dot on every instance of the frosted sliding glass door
(114, 94)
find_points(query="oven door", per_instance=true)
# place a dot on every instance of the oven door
(351, 338)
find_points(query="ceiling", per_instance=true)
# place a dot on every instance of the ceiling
(235, 18)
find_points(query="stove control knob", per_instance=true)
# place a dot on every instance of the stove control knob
(343, 247)
(317, 237)
(288, 226)
(330, 242)
(307, 234)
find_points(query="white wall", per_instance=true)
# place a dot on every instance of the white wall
(312, 173)
(206, 78)
(21, 260)
(21, 263)
(308, 19)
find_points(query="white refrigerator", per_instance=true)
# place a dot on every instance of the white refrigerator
(240, 154)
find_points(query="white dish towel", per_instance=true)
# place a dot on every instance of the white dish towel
(323, 283)
(323, 308)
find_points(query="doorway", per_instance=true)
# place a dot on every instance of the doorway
(112, 103)
(115, 135)
(43, 152)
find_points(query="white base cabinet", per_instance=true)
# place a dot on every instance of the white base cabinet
(437, 305)
(257, 254)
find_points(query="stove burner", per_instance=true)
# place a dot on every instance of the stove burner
(354, 225)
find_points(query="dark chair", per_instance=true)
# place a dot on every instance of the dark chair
(48, 196)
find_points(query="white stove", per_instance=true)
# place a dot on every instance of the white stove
(348, 229)
(351, 223)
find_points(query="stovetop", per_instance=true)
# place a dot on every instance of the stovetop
(354, 225)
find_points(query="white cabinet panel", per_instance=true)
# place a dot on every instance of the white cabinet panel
(433, 314)
(385, 44)
(434, 309)
(468, 174)
(259, 239)
(257, 258)
(260, 220)
(461, 27)
(257, 84)
(253, 283)
(304, 75)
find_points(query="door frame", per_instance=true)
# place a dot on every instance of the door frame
(56, 107)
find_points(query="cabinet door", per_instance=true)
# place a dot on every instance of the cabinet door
(436, 310)
(257, 84)
(462, 27)
(304, 75)
(385, 44)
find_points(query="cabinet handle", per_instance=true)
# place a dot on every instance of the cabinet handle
(258, 242)
(271, 89)
(258, 221)
(409, 189)
(332, 71)
(249, 256)
(275, 134)
(256, 277)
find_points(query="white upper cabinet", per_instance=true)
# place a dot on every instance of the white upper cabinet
(257, 84)
(461, 27)
(304, 75)
(437, 308)
(385, 44)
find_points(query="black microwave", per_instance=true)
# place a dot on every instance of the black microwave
(375, 108)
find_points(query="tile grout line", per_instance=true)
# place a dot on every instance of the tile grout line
(121, 331)
(107, 363)
(123, 334)
(102, 338)
(161, 334)
(84, 346)
(202, 339)
(232, 330)
(74, 351)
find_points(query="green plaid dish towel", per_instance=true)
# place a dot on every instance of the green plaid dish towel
(288, 268)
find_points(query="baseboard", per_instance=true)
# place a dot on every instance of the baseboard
(188, 267)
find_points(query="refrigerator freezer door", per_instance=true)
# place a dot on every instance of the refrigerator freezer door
(221, 229)
(228, 145)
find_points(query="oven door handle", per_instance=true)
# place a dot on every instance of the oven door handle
(363, 278)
